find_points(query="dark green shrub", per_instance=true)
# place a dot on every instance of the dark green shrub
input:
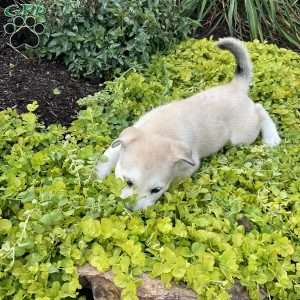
(101, 37)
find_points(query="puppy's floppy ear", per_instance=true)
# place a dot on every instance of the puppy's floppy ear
(182, 153)
(126, 137)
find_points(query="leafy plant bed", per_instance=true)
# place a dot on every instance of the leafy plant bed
(23, 80)
(238, 218)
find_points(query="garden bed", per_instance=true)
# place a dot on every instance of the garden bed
(232, 230)
(236, 219)
(23, 80)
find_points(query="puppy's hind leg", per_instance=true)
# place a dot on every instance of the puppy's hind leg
(105, 167)
(269, 132)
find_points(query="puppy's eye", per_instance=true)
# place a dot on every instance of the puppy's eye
(155, 190)
(129, 183)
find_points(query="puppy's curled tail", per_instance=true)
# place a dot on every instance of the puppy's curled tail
(243, 71)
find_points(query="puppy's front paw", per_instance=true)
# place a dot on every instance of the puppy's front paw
(272, 140)
(102, 170)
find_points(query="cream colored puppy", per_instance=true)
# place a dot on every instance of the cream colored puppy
(169, 141)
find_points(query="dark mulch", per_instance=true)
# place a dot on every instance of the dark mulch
(23, 80)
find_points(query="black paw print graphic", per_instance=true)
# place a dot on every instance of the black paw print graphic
(24, 32)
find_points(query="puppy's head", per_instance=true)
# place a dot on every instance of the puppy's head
(148, 163)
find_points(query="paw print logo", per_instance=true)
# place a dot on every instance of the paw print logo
(24, 32)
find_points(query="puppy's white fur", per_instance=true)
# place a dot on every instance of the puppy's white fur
(169, 141)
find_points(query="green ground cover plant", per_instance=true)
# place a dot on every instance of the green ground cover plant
(56, 216)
